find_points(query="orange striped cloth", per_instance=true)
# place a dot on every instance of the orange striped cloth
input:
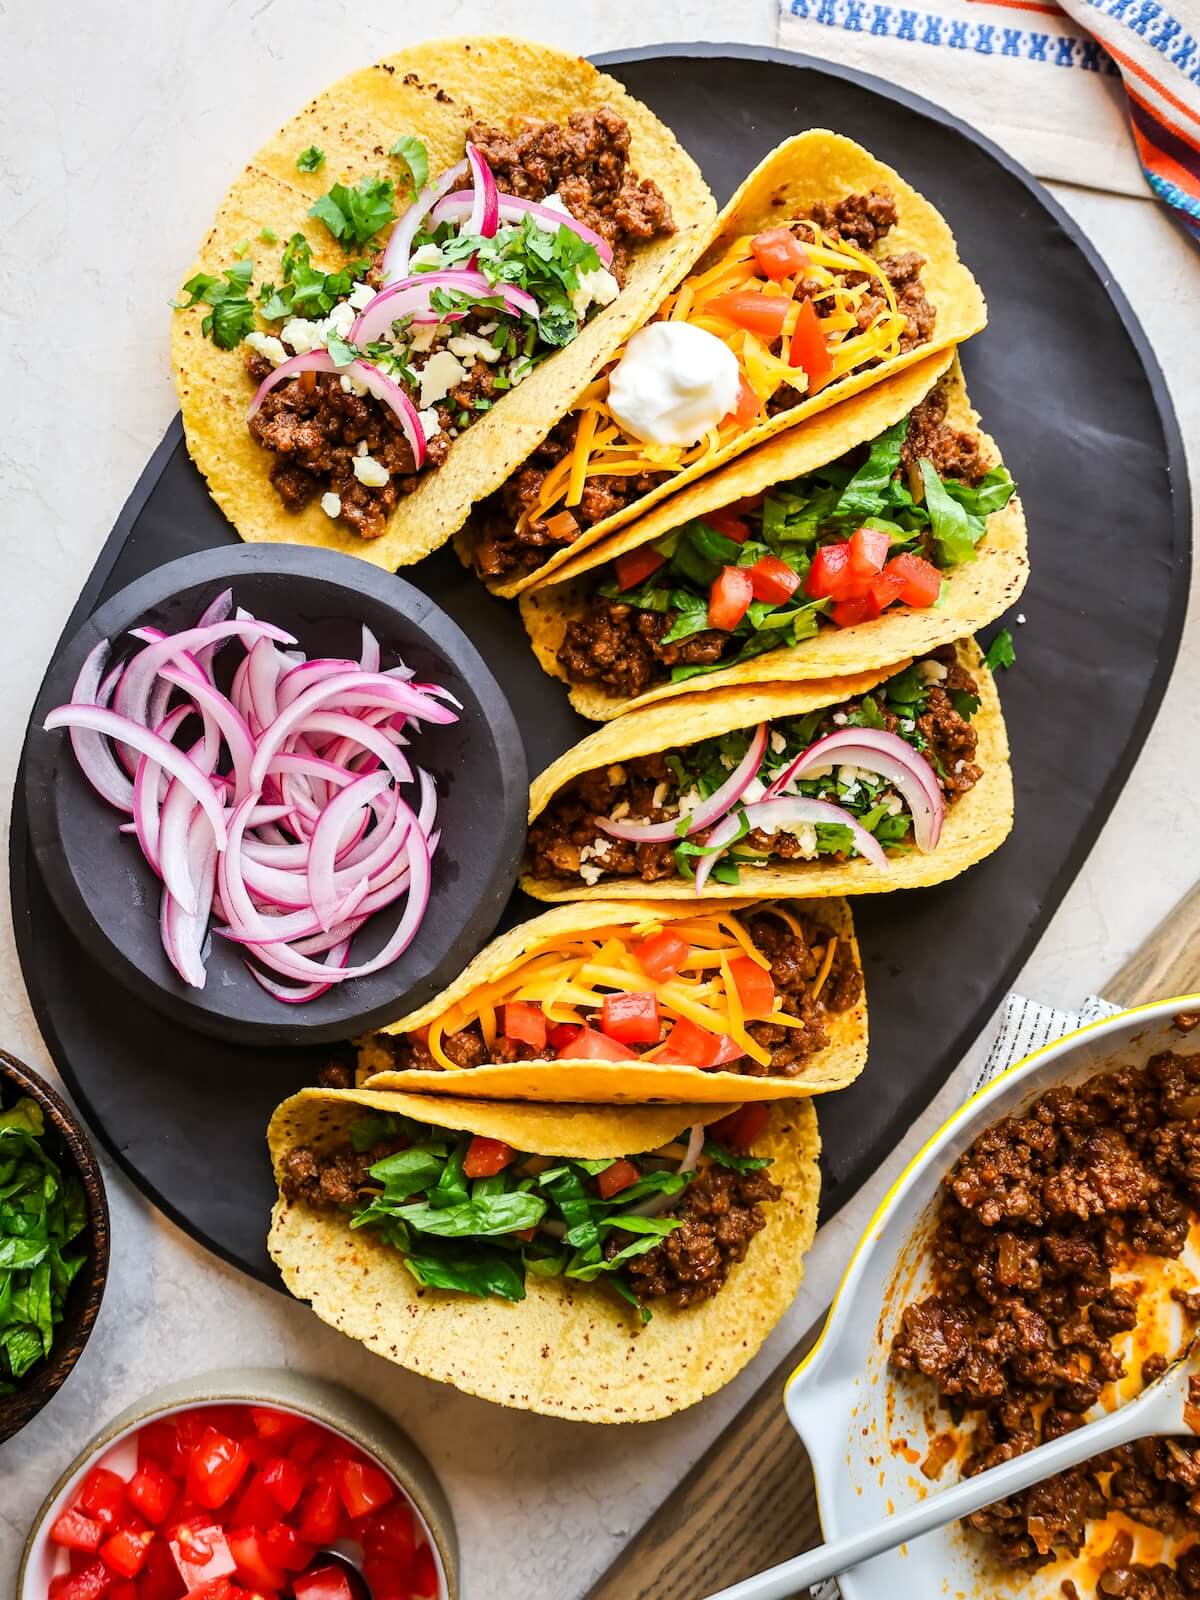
(1059, 87)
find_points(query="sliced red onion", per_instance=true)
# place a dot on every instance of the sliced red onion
(776, 816)
(370, 658)
(393, 396)
(709, 811)
(512, 208)
(725, 832)
(485, 209)
(94, 755)
(132, 697)
(653, 1204)
(399, 247)
(327, 836)
(147, 785)
(292, 996)
(311, 361)
(412, 298)
(184, 933)
(227, 718)
(889, 756)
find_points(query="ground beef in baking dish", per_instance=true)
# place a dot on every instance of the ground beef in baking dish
(1018, 1333)
(720, 1213)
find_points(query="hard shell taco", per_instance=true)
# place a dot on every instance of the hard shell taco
(826, 275)
(413, 279)
(631, 1002)
(884, 529)
(599, 1263)
(885, 780)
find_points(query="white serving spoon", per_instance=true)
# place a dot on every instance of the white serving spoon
(1157, 1410)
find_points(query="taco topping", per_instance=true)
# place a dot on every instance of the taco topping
(799, 305)
(494, 265)
(750, 994)
(473, 1215)
(874, 529)
(1057, 1232)
(866, 776)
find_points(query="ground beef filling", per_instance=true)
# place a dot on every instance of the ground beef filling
(720, 1213)
(315, 427)
(1017, 1335)
(567, 838)
(332, 1180)
(795, 964)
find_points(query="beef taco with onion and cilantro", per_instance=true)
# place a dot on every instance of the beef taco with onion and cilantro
(826, 275)
(883, 530)
(887, 780)
(413, 279)
(600, 1263)
(630, 1002)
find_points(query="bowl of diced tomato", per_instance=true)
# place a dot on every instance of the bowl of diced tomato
(245, 1486)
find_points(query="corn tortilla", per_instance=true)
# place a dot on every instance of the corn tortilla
(435, 91)
(973, 594)
(626, 1082)
(567, 1350)
(811, 167)
(976, 824)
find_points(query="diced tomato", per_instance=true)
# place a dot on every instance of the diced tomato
(158, 1441)
(390, 1534)
(631, 1018)
(57, 1585)
(808, 348)
(217, 1589)
(592, 1045)
(484, 1159)
(256, 1505)
(363, 1487)
(746, 406)
(661, 955)
(868, 551)
(886, 587)
(740, 1129)
(253, 1565)
(755, 989)
(525, 1020)
(728, 1049)
(424, 1574)
(284, 1481)
(773, 580)
(326, 1583)
(277, 1425)
(728, 524)
(103, 1496)
(563, 1034)
(152, 1492)
(201, 1552)
(779, 253)
(617, 1177)
(729, 598)
(830, 576)
(387, 1581)
(922, 580)
(284, 1547)
(635, 566)
(88, 1584)
(849, 613)
(308, 1443)
(74, 1531)
(321, 1514)
(759, 313)
(123, 1589)
(218, 1464)
(189, 1426)
(125, 1553)
(159, 1578)
(258, 1451)
(690, 1046)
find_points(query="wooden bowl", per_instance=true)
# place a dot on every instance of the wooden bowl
(67, 1143)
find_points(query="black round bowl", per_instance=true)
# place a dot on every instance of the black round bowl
(110, 897)
(66, 1142)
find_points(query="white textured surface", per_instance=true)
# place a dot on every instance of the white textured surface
(120, 126)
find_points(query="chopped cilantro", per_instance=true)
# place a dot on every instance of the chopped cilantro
(232, 316)
(268, 236)
(412, 152)
(1001, 652)
(355, 215)
(310, 160)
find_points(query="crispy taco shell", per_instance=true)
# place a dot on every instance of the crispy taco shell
(976, 824)
(626, 1082)
(435, 91)
(816, 166)
(566, 1350)
(974, 593)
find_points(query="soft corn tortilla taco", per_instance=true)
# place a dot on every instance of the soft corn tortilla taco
(359, 153)
(528, 1321)
(631, 1002)
(630, 622)
(827, 274)
(885, 780)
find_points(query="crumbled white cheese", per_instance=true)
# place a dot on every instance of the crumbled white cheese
(487, 327)
(840, 718)
(519, 370)
(818, 772)
(303, 335)
(1020, 616)
(340, 320)
(931, 672)
(958, 766)
(754, 791)
(906, 724)
(689, 801)
(369, 472)
(331, 505)
(620, 811)
(590, 873)
(778, 742)
(806, 837)
(362, 448)
(438, 376)
(852, 775)
(422, 335)
(597, 287)
(352, 385)
(430, 423)
(425, 259)
(552, 202)
(659, 798)
(893, 805)
(616, 775)
(361, 296)
(472, 348)
(267, 346)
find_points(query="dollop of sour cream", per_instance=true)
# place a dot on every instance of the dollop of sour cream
(673, 384)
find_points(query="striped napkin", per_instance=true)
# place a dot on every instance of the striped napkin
(1059, 87)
